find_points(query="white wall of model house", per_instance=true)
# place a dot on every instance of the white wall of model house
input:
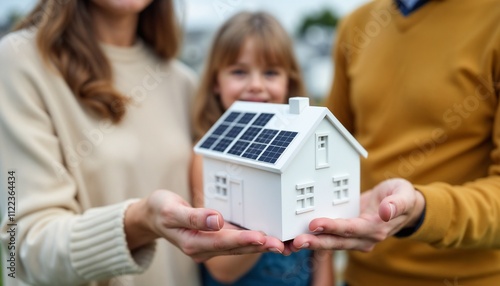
(317, 175)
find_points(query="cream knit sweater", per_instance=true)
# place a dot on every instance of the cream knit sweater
(76, 174)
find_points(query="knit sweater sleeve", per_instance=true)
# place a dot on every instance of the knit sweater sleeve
(57, 241)
(468, 215)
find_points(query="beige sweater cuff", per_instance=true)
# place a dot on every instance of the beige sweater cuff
(98, 247)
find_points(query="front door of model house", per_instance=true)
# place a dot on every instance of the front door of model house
(236, 197)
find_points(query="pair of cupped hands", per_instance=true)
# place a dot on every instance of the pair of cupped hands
(201, 233)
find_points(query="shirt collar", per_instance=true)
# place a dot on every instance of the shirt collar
(409, 4)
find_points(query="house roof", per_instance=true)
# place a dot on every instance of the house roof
(266, 135)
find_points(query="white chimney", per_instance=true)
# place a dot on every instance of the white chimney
(297, 104)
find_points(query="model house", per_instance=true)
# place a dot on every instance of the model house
(275, 167)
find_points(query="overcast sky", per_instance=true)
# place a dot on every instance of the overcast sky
(214, 12)
(289, 12)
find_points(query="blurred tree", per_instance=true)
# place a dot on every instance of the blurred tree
(13, 18)
(324, 18)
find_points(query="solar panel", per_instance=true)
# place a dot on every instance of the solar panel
(254, 151)
(247, 117)
(209, 142)
(263, 119)
(222, 145)
(220, 129)
(226, 132)
(277, 146)
(284, 138)
(266, 136)
(245, 137)
(238, 147)
(250, 134)
(232, 116)
(271, 154)
(234, 132)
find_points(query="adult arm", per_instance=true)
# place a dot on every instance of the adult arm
(322, 269)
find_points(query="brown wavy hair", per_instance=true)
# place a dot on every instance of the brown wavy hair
(273, 46)
(66, 40)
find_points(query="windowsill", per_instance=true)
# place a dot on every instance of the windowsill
(340, 201)
(304, 210)
(221, 197)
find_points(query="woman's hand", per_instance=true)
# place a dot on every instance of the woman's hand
(387, 208)
(198, 232)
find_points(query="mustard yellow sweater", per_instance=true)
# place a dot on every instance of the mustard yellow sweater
(420, 93)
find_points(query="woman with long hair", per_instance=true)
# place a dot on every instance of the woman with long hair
(94, 131)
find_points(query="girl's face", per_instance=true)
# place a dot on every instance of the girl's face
(248, 80)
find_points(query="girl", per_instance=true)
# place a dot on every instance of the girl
(251, 59)
(93, 113)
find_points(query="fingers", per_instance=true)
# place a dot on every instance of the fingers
(289, 248)
(199, 232)
(387, 211)
(172, 211)
(203, 245)
(203, 256)
(398, 198)
(331, 242)
(355, 227)
(336, 234)
(199, 219)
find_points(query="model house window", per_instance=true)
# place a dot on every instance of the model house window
(221, 186)
(305, 197)
(340, 189)
(322, 150)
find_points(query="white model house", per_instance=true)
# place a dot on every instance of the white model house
(275, 167)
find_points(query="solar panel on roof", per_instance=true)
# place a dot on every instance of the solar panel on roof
(222, 145)
(266, 136)
(277, 146)
(226, 132)
(247, 117)
(271, 154)
(245, 138)
(254, 151)
(263, 119)
(208, 142)
(284, 138)
(250, 134)
(232, 116)
(220, 129)
(238, 147)
(234, 132)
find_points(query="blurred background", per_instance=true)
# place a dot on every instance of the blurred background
(311, 24)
